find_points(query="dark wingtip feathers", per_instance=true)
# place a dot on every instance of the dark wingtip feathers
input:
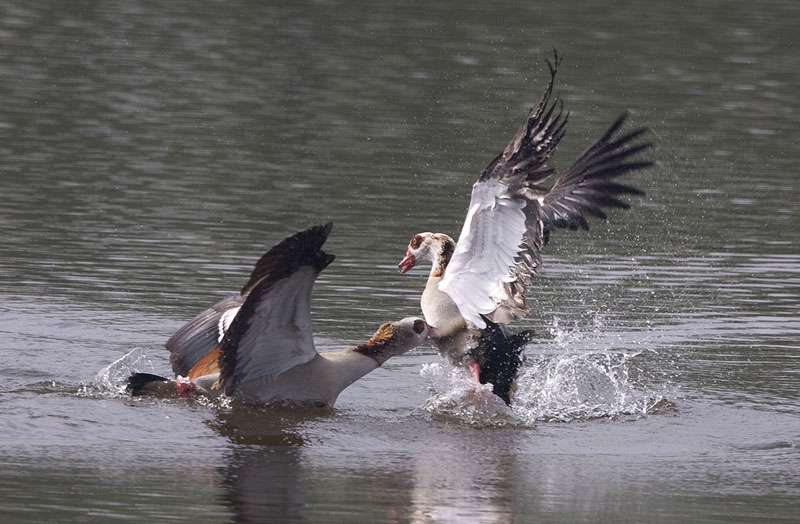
(301, 249)
(536, 140)
(586, 187)
(553, 66)
(294, 251)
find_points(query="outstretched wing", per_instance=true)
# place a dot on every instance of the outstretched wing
(202, 334)
(487, 251)
(272, 331)
(510, 216)
(534, 142)
(587, 186)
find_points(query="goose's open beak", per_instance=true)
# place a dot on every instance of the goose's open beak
(407, 263)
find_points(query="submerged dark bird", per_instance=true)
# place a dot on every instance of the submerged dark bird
(258, 344)
(478, 285)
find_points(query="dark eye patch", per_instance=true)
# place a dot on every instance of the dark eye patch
(419, 326)
(416, 242)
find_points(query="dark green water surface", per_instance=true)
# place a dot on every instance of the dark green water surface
(151, 151)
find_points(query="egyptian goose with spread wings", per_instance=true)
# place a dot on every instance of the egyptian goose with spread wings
(258, 343)
(478, 285)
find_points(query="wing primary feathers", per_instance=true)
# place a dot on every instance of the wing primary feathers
(289, 254)
(511, 211)
(536, 140)
(279, 263)
(586, 187)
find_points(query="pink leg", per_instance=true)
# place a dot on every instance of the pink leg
(184, 387)
(475, 371)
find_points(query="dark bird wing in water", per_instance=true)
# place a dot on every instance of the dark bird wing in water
(139, 383)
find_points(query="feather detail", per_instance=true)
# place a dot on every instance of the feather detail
(272, 331)
(510, 216)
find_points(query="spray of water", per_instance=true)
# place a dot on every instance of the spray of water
(454, 396)
(577, 375)
(113, 379)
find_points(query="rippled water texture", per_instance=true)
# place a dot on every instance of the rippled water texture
(150, 152)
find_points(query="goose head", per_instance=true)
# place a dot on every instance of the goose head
(436, 248)
(395, 338)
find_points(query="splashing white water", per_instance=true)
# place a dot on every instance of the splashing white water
(574, 376)
(455, 396)
(580, 386)
(113, 379)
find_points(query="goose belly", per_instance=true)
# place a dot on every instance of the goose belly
(309, 383)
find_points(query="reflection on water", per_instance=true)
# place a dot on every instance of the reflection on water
(254, 425)
(279, 481)
(474, 488)
(262, 485)
(150, 153)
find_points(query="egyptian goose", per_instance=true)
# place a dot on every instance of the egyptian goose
(478, 285)
(258, 344)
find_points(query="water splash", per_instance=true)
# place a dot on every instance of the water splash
(454, 396)
(581, 386)
(113, 379)
(578, 375)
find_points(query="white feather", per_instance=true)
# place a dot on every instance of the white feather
(225, 322)
(485, 252)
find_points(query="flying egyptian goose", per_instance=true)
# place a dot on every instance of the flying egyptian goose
(477, 285)
(258, 344)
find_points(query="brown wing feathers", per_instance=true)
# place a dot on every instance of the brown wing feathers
(208, 365)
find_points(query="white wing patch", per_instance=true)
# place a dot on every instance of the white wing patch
(485, 253)
(225, 322)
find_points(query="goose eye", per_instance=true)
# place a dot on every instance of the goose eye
(416, 242)
(419, 326)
